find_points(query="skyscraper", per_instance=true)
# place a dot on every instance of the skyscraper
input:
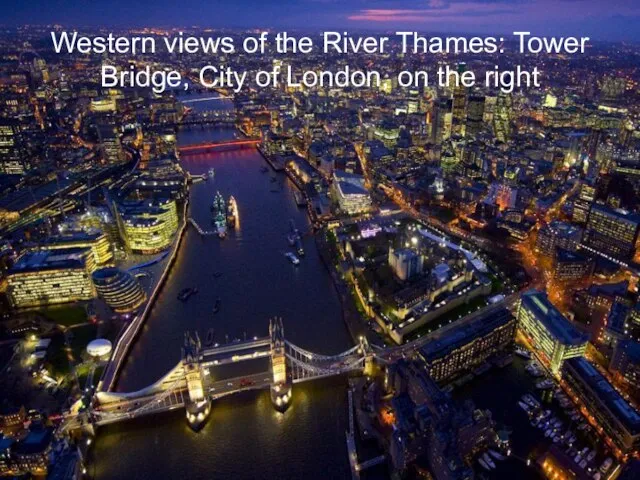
(13, 159)
(110, 145)
(459, 104)
(613, 232)
(502, 117)
(442, 121)
(475, 114)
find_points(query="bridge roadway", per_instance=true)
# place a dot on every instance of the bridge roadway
(223, 145)
(170, 392)
(205, 99)
(236, 347)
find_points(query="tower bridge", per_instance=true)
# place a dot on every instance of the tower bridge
(193, 386)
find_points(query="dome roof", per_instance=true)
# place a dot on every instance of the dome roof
(99, 347)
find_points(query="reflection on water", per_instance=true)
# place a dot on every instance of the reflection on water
(245, 437)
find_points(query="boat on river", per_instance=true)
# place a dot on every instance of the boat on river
(186, 293)
(219, 210)
(292, 258)
(232, 212)
(300, 200)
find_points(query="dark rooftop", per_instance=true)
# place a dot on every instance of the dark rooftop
(608, 395)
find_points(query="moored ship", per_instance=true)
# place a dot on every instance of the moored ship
(301, 201)
(220, 215)
(232, 212)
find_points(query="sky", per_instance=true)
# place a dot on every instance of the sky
(600, 19)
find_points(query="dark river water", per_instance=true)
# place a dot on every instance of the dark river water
(244, 437)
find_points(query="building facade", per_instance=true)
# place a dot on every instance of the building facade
(49, 277)
(553, 337)
(149, 227)
(619, 421)
(612, 232)
(468, 346)
(119, 289)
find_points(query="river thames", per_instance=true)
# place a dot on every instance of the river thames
(244, 437)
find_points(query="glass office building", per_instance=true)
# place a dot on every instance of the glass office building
(552, 336)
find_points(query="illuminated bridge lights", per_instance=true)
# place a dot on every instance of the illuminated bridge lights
(213, 145)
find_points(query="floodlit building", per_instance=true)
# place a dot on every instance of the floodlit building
(554, 338)
(148, 226)
(351, 194)
(612, 232)
(405, 263)
(96, 240)
(468, 345)
(119, 289)
(556, 235)
(49, 277)
(619, 420)
(110, 144)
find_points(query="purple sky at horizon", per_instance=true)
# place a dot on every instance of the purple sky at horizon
(601, 20)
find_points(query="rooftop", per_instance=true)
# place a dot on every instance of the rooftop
(463, 334)
(608, 395)
(556, 323)
(50, 259)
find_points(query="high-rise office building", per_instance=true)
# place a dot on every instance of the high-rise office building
(557, 234)
(459, 105)
(110, 144)
(96, 240)
(582, 204)
(442, 119)
(553, 337)
(13, 156)
(475, 115)
(148, 227)
(502, 117)
(612, 232)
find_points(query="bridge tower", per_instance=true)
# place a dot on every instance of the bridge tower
(198, 405)
(281, 378)
(369, 366)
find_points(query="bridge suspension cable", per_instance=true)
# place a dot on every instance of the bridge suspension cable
(140, 409)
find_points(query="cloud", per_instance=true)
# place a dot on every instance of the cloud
(489, 15)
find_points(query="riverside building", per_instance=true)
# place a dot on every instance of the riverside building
(553, 337)
(49, 277)
(619, 421)
(467, 346)
(119, 289)
(148, 226)
(96, 240)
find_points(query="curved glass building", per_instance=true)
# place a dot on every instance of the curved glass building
(119, 289)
